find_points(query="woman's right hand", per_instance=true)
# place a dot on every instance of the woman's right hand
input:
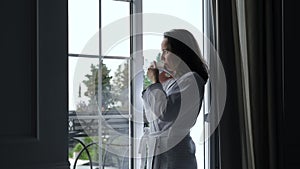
(153, 73)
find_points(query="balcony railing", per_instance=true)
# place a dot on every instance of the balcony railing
(84, 125)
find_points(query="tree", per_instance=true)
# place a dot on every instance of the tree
(92, 90)
(114, 94)
(120, 86)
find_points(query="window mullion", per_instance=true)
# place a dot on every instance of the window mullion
(100, 159)
(136, 67)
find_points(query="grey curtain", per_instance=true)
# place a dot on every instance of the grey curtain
(263, 22)
(230, 130)
(248, 36)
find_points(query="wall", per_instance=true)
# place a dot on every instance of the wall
(33, 71)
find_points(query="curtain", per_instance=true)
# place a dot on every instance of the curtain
(264, 57)
(230, 128)
(249, 44)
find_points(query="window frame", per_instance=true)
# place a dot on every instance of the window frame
(135, 60)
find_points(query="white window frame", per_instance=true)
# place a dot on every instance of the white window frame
(136, 84)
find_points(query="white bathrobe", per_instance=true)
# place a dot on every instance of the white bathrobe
(171, 111)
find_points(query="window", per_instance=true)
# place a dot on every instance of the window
(99, 113)
(106, 113)
(160, 16)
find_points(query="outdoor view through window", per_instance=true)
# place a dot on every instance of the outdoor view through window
(107, 142)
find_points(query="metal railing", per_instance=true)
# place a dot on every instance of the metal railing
(83, 125)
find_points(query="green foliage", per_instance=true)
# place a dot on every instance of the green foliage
(78, 147)
(71, 154)
(93, 149)
(114, 94)
(147, 82)
(121, 86)
(92, 90)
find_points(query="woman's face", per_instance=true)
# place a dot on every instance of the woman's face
(171, 61)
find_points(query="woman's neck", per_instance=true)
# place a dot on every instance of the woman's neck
(180, 72)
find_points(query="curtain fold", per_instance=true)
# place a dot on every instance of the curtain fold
(265, 74)
(230, 130)
(241, 57)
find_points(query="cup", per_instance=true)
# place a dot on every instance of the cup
(160, 66)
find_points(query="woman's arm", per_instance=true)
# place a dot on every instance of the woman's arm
(183, 94)
(162, 106)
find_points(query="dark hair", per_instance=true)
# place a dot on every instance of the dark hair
(183, 49)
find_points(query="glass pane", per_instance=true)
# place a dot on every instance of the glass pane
(81, 73)
(84, 114)
(173, 14)
(118, 73)
(152, 47)
(83, 119)
(207, 146)
(83, 26)
(115, 28)
(151, 52)
(115, 107)
(163, 17)
(188, 10)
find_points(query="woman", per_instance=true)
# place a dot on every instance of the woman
(172, 111)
